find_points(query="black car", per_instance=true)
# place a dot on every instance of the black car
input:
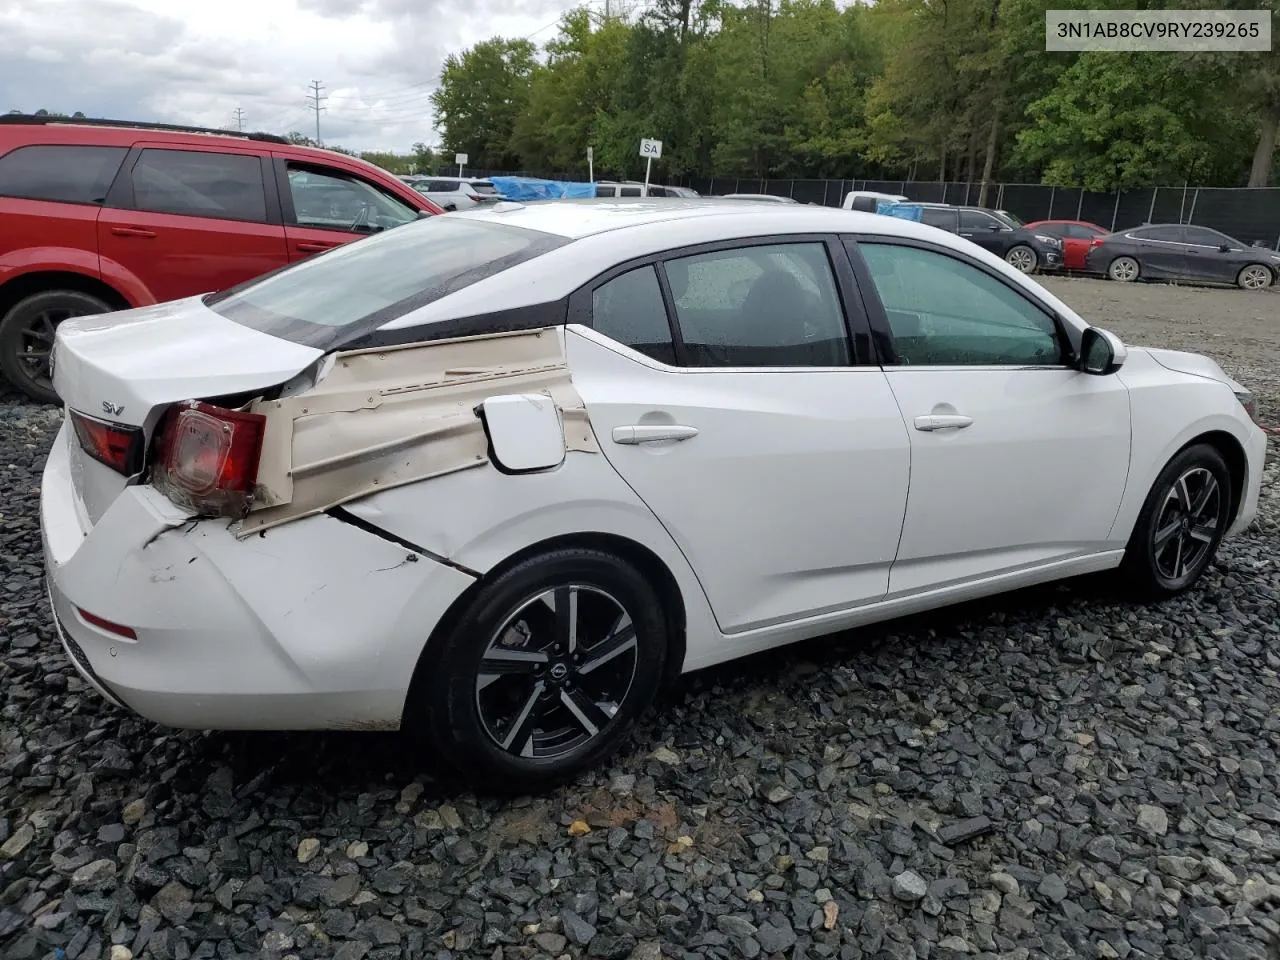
(1171, 251)
(1023, 249)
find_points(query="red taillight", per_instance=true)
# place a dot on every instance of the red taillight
(120, 448)
(208, 460)
(102, 624)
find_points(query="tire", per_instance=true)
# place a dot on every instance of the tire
(1124, 270)
(1255, 276)
(1022, 258)
(1149, 569)
(27, 331)
(471, 717)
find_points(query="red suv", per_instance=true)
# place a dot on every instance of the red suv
(102, 215)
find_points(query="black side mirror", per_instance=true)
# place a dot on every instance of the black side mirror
(1101, 353)
(1224, 248)
(997, 227)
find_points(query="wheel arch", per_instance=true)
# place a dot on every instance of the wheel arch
(1233, 453)
(641, 557)
(38, 281)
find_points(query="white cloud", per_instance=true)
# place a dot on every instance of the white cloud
(193, 61)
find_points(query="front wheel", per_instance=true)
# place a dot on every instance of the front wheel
(26, 337)
(545, 673)
(1022, 258)
(1255, 277)
(1181, 524)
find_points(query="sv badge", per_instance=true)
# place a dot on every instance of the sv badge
(114, 409)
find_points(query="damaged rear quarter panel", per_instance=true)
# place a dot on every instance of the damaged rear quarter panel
(386, 417)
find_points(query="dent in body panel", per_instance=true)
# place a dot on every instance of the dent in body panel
(386, 417)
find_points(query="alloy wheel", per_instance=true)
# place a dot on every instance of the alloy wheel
(36, 343)
(1187, 524)
(1255, 277)
(557, 672)
(1021, 258)
(1123, 269)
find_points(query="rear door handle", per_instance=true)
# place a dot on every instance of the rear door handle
(132, 232)
(943, 421)
(652, 433)
(308, 247)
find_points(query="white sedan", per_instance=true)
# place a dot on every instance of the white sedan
(497, 478)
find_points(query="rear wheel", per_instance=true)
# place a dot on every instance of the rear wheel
(1124, 269)
(1181, 524)
(1255, 277)
(546, 672)
(26, 337)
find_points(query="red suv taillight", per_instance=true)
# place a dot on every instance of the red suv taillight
(120, 448)
(208, 458)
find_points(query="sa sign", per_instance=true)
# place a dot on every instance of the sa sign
(460, 159)
(651, 149)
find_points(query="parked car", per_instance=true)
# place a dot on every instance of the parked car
(764, 197)
(457, 193)
(1172, 251)
(634, 188)
(510, 532)
(851, 198)
(1022, 248)
(101, 215)
(1076, 237)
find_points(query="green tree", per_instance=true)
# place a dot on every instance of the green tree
(482, 92)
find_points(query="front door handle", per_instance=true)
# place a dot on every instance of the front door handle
(652, 433)
(307, 246)
(132, 232)
(943, 421)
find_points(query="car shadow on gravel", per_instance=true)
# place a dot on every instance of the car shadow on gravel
(349, 763)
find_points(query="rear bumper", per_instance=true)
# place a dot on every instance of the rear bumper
(315, 625)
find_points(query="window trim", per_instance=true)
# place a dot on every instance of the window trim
(883, 334)
(285, 193)
(124, 158)
(858, 329)
(122, 195)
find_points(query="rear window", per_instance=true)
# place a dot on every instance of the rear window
(484, 188)
(68, 174)
(356, 288)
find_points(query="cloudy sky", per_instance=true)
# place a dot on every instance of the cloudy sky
(196, 61)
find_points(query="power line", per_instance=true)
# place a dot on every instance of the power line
(316, 100)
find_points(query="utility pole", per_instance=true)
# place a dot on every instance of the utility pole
(315, 99)
(240, 119)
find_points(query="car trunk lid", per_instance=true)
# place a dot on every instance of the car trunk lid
(118, 373)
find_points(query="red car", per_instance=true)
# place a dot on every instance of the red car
(1075, 236)
(102, 215)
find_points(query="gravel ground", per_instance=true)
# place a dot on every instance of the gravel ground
(1053, 774)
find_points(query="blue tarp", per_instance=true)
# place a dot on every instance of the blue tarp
(531, 188)
(903, 211)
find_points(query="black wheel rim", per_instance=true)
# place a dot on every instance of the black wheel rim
(557, 672)
(35, 343)
(1187, 524)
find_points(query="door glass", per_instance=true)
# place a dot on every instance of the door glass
(774, 306)
(226, 186)
(334, 201)
(62, 173)
(1206, 237)
(630, 192)
(629, 309)
(977, 222)
(944, 312)
(1163, 234)
(939, 217)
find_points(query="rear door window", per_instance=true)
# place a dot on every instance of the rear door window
(939, 217)
(357, 287)
(629, 309)
(484, 188)
(225, 186)
(65, 174)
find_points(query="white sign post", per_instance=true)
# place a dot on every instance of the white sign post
(591, 169)
(461, 160)
(649, 149)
